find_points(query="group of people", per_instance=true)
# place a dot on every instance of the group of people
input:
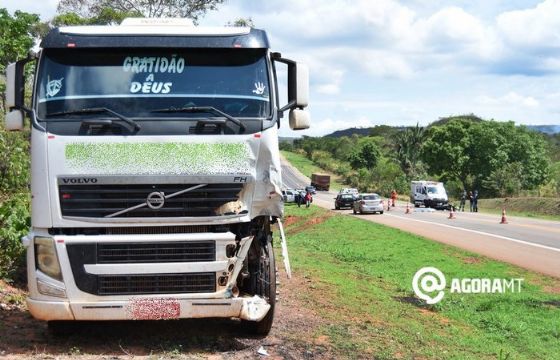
(302, 198)
(473, 200)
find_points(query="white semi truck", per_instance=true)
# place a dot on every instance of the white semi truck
(155, 171)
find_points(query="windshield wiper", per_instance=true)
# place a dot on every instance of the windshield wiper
(132, 125)
(202, 109)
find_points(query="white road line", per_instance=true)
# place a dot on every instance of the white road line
(480, 233)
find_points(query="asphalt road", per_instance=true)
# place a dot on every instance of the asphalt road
(530, 243)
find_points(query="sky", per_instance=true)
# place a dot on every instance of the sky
(410, 61)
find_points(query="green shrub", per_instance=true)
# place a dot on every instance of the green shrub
(14, 161)
(14, 223)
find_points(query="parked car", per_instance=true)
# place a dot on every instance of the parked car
(311, 189)
(368, 203)
(289, 195)
(344, 201)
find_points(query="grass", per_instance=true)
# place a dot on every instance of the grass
(307, 167)
(532, 207)
(361, 275)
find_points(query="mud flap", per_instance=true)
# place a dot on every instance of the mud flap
(284, 244)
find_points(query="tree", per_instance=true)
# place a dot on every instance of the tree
(106, 16)
(366, 154)
(506, 180)
(408, 144)
(444, 151)
(476, 153)
(242, 22)
(192, 9)
(17, 35)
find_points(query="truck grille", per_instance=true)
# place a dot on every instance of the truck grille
(156, 252)
(97, 201)
(156, 284)
(119, 253)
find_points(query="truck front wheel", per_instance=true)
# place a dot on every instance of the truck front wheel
(263, 280)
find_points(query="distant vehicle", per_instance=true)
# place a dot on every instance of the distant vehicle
(311, 189)
(368, 203)
(344, 201)
(429, 193)
(289, 195)
(321, 181)
(353, 191)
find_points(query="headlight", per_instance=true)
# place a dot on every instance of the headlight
(45, 257)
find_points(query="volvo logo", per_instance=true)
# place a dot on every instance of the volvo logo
(155, 200)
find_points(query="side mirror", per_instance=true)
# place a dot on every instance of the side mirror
(15, 84)
(298, 84)
(14, 120)
(299, 119)
(298, 92)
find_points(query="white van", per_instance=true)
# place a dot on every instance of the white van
(428, 193)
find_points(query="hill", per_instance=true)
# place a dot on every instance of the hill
(546, 129)
(378, 130)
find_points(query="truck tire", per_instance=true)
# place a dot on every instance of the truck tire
(265, 287)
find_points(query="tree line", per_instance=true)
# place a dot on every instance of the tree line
(498, 159)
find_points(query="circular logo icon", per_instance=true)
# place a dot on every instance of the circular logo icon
(155, 200)
(427, 281)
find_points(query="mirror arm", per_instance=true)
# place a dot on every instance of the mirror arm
(288, 106)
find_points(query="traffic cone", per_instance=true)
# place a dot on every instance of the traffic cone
(504, 220)
(452, 213)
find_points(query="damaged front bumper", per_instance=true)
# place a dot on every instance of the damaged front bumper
(74, 303)
(151, 308)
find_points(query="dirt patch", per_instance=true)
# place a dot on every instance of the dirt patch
(289, 220)
(309, 223)
(294, 334)
(471, 260)
(552, 289)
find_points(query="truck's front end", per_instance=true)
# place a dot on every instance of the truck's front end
(155, 173)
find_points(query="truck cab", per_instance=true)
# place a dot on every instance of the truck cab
(155, 171)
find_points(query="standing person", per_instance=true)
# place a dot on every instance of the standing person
(393, 197)
(475, 201)
(308, 199)
(299, 198)
(471, 200)
(463, 199)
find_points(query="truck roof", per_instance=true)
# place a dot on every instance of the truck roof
(156, 35)
(426, 182)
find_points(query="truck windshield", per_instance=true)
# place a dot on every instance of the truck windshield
(433, 190)
(134, 82)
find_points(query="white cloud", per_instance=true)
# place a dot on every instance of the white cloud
(511, 98)
(538, 27)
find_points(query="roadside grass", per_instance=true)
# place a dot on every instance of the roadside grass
(531, 207)
(361, 282)
(307, 167)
